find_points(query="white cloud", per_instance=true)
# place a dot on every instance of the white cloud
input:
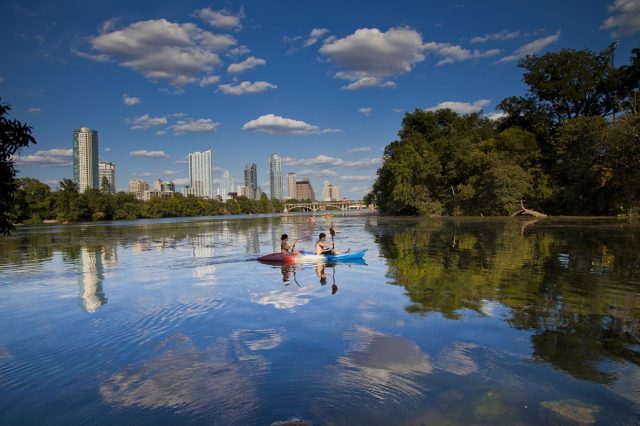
(247, 64)
(145, 121)
(496, 115)
(462, 107)
(130, 100)
(161, 50)
(1, 79)
(202, 125)
(246, 88)
(451, 53)
(239, 51)
(397, 109)
(321, 173)
(56, 157)
(146, 174)
(314, 36)
(359, 149)
(365, 110)
(625, 20)
(500, 36)
(369, 55)
(169, 172)
(107, 149)
(148, 154)
(531, 48)
(275, 124)
(355, 178)
(103, 58)
(222, 19)
(325, 160)
(34, 110)
(182, 181)
(209, 80)
(365, 82)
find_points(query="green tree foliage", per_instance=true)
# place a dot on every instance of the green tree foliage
(445, 163)
(33, 201)
(36, 202)
(558, 146)
(14, 135)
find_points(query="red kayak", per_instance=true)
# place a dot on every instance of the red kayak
(282, 258)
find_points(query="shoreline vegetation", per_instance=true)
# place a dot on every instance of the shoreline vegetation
(568, 147)
(36, 203)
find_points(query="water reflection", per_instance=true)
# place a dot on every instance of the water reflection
(575, 287)
(90, 276)
(219, 381)
(386, 367)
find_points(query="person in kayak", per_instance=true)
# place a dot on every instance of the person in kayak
(323, 247)
(285, 247)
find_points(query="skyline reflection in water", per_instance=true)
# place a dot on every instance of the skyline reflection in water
(445, 321)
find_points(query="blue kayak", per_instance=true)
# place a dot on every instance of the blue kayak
(340, 256)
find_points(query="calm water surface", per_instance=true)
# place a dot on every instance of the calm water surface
(471, 321)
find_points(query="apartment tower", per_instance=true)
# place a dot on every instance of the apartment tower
(275, 176)
(200, 179)
(291, 184)
(85, 158)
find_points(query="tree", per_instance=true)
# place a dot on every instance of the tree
(71, 206)
(33, 200)
(446, 163)
(105, 187)
(13, 137)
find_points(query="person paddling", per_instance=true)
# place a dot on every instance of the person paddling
(285, 247)
(323, 247)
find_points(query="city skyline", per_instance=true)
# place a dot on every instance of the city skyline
(325, 85)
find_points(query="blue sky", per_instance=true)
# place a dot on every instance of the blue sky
(324, 83)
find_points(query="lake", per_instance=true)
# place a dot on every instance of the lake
(446, 321)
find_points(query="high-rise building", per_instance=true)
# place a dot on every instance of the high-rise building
(108, 171)
(157, 185)
(275, 176)
(251, 180)
(201, 182)
(168, 187)
(330, 192)
(85, 158)
(291, 184)
(334, 193)
(304, 190)
(326, 191)
(138, 187)
(226, 185)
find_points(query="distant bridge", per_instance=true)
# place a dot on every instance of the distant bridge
(314, 206)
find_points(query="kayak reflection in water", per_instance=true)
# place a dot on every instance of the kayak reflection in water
(286, 271)
(320, 272)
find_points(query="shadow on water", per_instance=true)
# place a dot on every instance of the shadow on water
(573, 284)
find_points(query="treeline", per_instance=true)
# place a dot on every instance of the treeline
(570, 146)
(35, 202)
